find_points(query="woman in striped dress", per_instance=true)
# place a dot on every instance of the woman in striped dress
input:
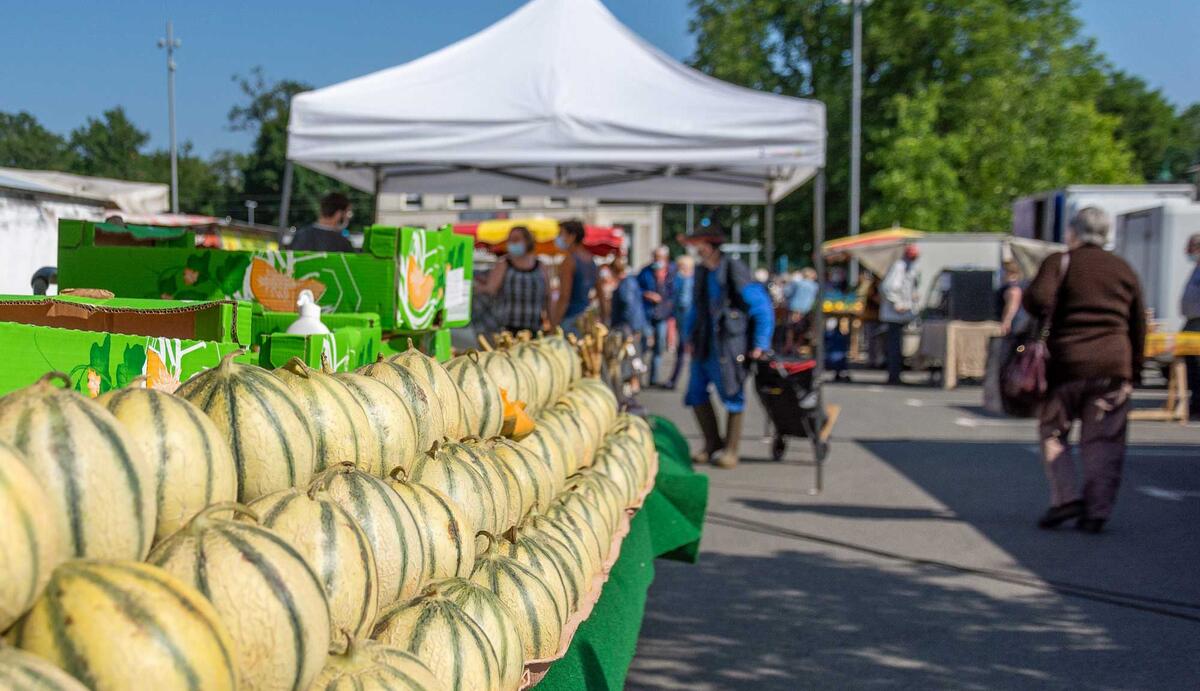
(519, 284)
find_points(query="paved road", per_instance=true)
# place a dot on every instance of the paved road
(920, 566)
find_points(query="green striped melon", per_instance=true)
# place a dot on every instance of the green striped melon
(602, 395)
(515, 377)
(554, 530)
(507, 492)
(549, 447)
(552, 562)
(370, 666)
(100, 485)
(193, 463)
(390, 418)
(605, 496)
(31, 544)
(566, 353)
(584, 519)
(637, 428)
(22, 671)
(258, 416)
(264, 591)
(334, 545)
(577, 436)
(529, 600)
(435, 629)
(620, 461)
(485, 608)
(585, 413)
(341, 430)
(446, 531)
(545, 369)
(431, 373)
(115, 624)
(422, 402)
(485, 407)
(392, 525)
(454, 471)
(532, 474)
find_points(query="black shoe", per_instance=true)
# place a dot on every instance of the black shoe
(1057, 515)
(1090, 525)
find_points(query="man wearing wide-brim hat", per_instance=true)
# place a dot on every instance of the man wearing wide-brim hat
(729, 326)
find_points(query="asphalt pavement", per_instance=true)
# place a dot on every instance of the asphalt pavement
(919, 565)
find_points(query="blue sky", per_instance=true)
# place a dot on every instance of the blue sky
(65, 60)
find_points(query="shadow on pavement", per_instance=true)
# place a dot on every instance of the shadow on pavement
(999, 489)
(761, 626)
(880, 513)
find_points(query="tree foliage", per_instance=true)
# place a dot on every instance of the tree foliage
(966, 103)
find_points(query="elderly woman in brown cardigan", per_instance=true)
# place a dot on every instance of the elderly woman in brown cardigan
(1096, 338)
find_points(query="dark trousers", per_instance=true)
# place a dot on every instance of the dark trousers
(1102, 408)
(895, 352)
(680, 352)
(1193, 371)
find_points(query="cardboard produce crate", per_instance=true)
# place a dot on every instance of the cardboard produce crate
(104, 343)
(402, 275)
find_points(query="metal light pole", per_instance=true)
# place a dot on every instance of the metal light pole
(251, 205)
(855, 127)
(171, 43)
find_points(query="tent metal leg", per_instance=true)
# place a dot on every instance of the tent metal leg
(285, 201)
(819, 322)
(769, 232)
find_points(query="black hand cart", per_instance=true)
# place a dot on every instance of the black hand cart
(788, 390)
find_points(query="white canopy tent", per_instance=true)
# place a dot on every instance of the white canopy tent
(558, 98)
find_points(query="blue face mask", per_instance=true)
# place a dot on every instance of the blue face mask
(516, 249)
(561, 243)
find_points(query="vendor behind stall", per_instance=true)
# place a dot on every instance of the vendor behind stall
(328, 234)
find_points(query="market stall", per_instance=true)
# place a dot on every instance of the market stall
(613, 119)
(601, 241)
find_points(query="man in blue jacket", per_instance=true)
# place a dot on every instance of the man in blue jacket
(729, 326)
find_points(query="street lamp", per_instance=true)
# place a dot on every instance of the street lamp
(251, 205)
(855, 124)
(171, 43)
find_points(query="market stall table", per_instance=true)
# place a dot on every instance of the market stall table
(667, 526)
(961, 347)
(1177, 346)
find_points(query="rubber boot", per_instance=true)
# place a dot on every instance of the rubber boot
(728, 457)
(706, 417)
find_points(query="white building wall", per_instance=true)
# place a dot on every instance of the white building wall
(29, 235)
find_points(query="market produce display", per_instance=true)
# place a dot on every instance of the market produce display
(388, 536)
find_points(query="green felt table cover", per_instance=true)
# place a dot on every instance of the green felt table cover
(668, 526)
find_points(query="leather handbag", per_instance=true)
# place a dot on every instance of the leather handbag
(1023, 380)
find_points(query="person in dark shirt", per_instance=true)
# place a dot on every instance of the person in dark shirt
(1097, 330)
(328, 233)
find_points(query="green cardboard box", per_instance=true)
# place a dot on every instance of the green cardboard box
(356, 340)
(104, 344)
(399, 275)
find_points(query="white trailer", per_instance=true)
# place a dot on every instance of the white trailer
(1154, 241)
(1044, 216)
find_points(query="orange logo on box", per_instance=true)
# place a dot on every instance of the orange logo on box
(276, 290)
(420, 285)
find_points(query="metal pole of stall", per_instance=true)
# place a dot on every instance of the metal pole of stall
(285, 201)
(819, 322)
(769, 231)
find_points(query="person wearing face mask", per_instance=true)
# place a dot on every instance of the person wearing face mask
(657, 283)
(1190, 307)
(519, 284)
(899, 293)
(328, 234)
(729, 326)
(577, 276)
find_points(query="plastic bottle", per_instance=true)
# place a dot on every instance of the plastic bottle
(309, 322)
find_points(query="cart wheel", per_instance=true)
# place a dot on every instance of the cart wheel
(778, 446)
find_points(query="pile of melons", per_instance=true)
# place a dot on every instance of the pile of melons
(294, 528)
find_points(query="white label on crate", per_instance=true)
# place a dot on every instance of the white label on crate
(457, 302)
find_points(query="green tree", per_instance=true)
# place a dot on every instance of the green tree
(1147, 121)
(265, 114)
(110, 146)
(966, 103)
(24, 143)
